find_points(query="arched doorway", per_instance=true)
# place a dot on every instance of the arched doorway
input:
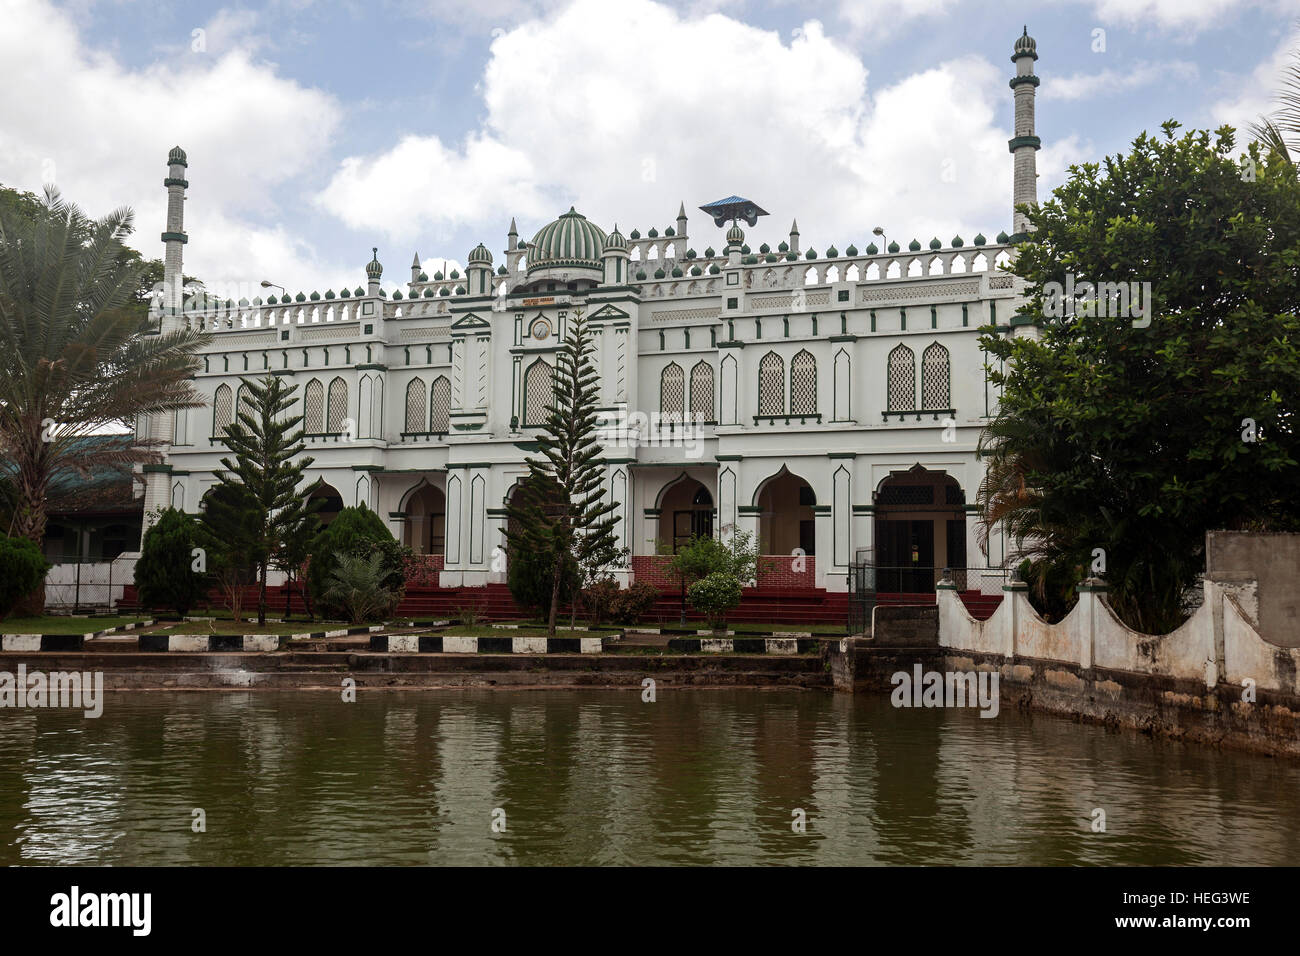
(426, 521)
(920, 529)
(333, 503)
(785, 516)
(685, 512)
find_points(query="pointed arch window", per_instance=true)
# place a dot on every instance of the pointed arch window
(538, 392)
(902, 379)
(222, 410)
(803, 384)
(440, 406)
(771, 385)
(936, 378)
(672, 392)
(415, 405)
(338, 405)
(313, 408)
(702, 392)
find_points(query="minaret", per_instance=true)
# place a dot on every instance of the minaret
(1024, 144)
(681, 230)
(415, 268)
(478, 271)
(160, 428)
(512, 248)
(794, 236)
(374, 272)
(174, 239)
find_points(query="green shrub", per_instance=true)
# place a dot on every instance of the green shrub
(528, 575)
(632, 603)
(358, 532)
(164, 575)
(356, 586)
(22, 569)
(715, 595)
(598, 600)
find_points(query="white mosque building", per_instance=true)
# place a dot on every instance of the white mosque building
(827, 400)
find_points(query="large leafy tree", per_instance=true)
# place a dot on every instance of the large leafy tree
(73, 357)
(1137, 440)
(559, 514)
(268, 466)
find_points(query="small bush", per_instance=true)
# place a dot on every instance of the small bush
(529, 577)
(356, 585)
(164, 575)
(598, 600)
(22, 569)
(358, 532)
(633, 603)
(715, 595)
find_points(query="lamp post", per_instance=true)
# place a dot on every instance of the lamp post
(267, 284)
(879, 231)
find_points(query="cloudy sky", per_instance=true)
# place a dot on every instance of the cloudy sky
(316, 130)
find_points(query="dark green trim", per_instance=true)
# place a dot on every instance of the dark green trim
(843, 338)
(158, 469)
(367, 467)
(1018, 141)
(821, 509)
(498, 512)
(468, 464)
(728, 457)
(397, 514)
(175, 237)
(1028, 78)
(172, 181)
(375, 366)
(653, 512)
(749, 509)
(841, 454)
(864, 509)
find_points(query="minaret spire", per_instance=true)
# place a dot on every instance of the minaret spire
(174, 238)
(1024, 145)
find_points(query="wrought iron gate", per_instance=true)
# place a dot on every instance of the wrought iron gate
(862, 591)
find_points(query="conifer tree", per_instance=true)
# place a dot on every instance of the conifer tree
(559, 511)
(263, 478)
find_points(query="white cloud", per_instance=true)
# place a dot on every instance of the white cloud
(626, 109)
(249, 133)
(1185, 15)
(1246, 98)
(1084, 86)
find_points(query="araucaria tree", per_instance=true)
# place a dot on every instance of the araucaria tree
(560, 511)
(1122, 438)
(75, 358)
(263, 478)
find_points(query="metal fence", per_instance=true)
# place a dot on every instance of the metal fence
(85, 585)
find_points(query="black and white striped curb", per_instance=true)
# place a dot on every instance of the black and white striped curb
(61, 642)
(454, 644)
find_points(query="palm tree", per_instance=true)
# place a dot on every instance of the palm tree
(1280, 132)
(75, 358)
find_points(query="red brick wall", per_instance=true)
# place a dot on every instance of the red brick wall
(776, 571)
(422, 570)
(653, 569)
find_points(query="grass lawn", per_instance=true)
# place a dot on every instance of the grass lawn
(59, 624)
(229, 626)
(482, 630)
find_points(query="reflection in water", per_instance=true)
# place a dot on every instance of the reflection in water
(598, 777)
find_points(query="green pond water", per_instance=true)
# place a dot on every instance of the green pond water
(600, 777)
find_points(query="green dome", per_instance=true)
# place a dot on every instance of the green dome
(373, 269)
(735, 235)
(1025, 46)
(979, 239)
(480, 253)
(176, 157)
(615, 241)
(935, 243)
(871, 249)
(957, 242)
(914, 246)
(569, 241)
(1003, 237)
